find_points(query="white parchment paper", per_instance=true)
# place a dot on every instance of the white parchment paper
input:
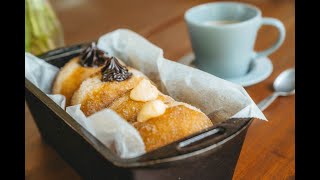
(214, 96)
(218, 98)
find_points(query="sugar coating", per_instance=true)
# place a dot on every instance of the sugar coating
(129, 109)
(179, 120)
(95, 95)
(70, 78)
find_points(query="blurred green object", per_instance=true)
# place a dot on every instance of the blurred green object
(43, 30)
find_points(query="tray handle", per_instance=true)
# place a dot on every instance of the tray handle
(200, 141)
(196, 143)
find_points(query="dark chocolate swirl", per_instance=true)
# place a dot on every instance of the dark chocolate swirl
(92, 56)
(114, 71)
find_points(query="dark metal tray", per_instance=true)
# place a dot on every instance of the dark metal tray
(211, 154)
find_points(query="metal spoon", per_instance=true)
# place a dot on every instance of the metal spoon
(284, 85)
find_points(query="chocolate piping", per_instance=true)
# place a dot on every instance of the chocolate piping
(92, 56)
(114, 71)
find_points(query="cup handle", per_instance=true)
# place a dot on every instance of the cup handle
(282, 33)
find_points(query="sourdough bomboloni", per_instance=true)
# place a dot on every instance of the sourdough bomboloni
(78, 69)
(158, 118)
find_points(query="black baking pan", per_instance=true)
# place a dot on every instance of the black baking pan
(210, 154)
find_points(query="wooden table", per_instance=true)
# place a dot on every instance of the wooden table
(268, 151)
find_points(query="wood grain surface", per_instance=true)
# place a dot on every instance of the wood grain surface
(268, 151)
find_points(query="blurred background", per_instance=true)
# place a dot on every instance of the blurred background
(268, 151)
(86, 20)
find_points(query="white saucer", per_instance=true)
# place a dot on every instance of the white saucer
(259, 70)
